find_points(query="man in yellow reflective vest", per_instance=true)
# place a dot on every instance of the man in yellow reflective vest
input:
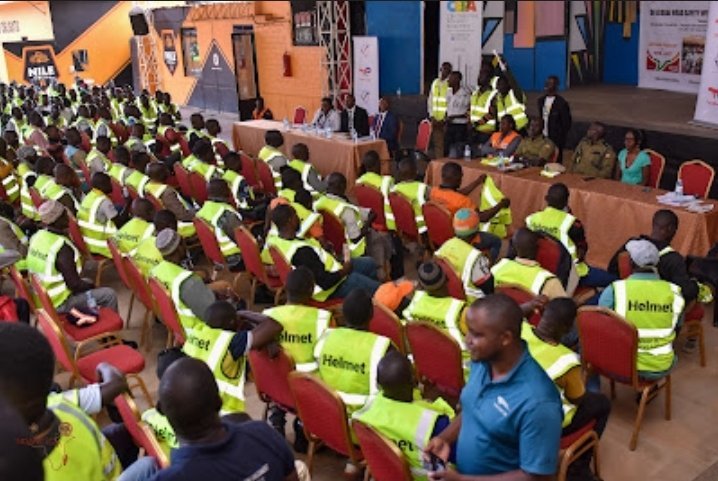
(13, 241)
(223, 219)
(146, 255)
(510, 100)
(170, 198)
(436, 105)
(272, 155)
(300, 162)
(98, 218)
(483, 109)
(138, 228)
(415, 191)
(563, 366)
(654, 306)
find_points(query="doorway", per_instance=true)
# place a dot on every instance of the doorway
(245, 70)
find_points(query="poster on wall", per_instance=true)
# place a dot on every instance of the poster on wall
(672, 45)
(460, 38)
(366, 73)
(39, 64)
(707, 102)
(169, 52)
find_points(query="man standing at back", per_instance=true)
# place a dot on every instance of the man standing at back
(556, 114)
(436, 105)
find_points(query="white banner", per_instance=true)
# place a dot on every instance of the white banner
(460, 38)
(366, 73)
(672, 44)
(707, 103)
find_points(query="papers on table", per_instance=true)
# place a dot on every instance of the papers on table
(687, 202)
(550, 173)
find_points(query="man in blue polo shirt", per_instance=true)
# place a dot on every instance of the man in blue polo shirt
(510, 424)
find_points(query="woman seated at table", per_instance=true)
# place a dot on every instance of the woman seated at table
(505, 141)
(634, 163)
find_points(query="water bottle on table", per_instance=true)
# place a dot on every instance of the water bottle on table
(355, 136)
(679, 186)
(285, 122)
(467, 152)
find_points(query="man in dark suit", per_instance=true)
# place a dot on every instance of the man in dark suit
(386, 126)
(556, 114)
(354, 117)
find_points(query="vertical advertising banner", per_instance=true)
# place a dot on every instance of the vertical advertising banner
(366, 73)
(460, 38)
(707, 103)
(169, 53)
(672, 45)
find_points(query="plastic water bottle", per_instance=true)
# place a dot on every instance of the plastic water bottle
(467, 152)
(372, 134)
(502, 161)
(355, 136)
(285, 122)
(679, 186)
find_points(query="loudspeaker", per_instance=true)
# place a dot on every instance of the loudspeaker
(139, 23)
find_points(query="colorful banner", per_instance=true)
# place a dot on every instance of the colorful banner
(460, 38)
(707, 102)
(366, 73)
(39, 63)
(169, 52)
(672, 44)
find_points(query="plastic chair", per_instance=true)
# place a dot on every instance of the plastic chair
(439, 223)
(453, 282)
(249, 171)
(168, 313)
(404, 216)
(437, 357)
(116, 196)
(324, 417)
(118, 260)
(697, 177)
(385, 323)
(22, 290)
(36, 198)
(658, 163)
(384, 459)
(423, 136)
(370, 197)
(156, 203)
(252, 258)
(209, 243)
(141, 291)
(625, 268)
(183, 180)
(132, 192)
(271, 378)
(609, 346)
(521, 296)
(553, 256)
(574, 445)
(83, 364)
(333, 230)
(264, 171)
(86, 144)
(141, 434)
(199, 187)
(79, 241)
(693, 327)
(300, 114)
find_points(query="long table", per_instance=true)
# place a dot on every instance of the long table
(610, 211)
(336, 154)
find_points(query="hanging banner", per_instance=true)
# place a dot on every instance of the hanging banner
(460, 38)
(366, 73)
(169, 53)
(39, 63)
(707, 102)
(672, 45)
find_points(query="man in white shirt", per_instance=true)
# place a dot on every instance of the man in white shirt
(458, 103)
(326, 116)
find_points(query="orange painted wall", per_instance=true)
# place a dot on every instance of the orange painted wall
(273, 36)
(107, 43)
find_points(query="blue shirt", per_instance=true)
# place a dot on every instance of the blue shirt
(251, 450)
(509, 424)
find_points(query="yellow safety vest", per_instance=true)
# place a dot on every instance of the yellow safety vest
(171, 276)
(302, 328)
(384, 184)
(415, 192)
(21, 264)
(211, 212)
(480, 105)
(162, 428)
(490, 196)
(337, 207)
(132, 233)
(41, 258)
(510, 105)
(146, 256)
(439, 88)
(193, 164)
(557, 223)
(304, 168)
(444, 312)
(10, 183)
(530, 277)
(462, 257)
(94, 233)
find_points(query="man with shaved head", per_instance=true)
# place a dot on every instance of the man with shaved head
(510, 423)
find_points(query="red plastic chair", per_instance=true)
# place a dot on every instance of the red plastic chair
(141, 434)
(333, 230)
(108, 321)
(36, 198)
(371, 198)
(209, 243)
(521, 296)
(141, 291)
(156, 203)
(116, 196)
(249, 170)
(22, 290)
(658, 163)
(423, 136)
(271, 378)
(693, 327)
(83, 365)
(300, 114)
(697, 178)
(118, 260)
(252, 257)
(574, 445)
(625, 268)
(183, 180)
(324, 417)
(264, 171)
(404, 216)
(79, 241)
(86, 144)
(453, 281)
(168, 313)
(439, 223)
(132, 192)
(385, 323)
(384, 459)
(199, 187)
(437, 357)
(609, 345)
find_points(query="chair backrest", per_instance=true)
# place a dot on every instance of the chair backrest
(132, 192)
(658, 163)
(370, 197)
(167, 310)
(251, 254)
(36, 198)
(333, 230)
(264, 171)
(183, 180)
(423, 136)
(625, 268)
(156, 203)
(199, 187)
(117, 259)
(138, 283)
(697, 177)
(281, 264)
(249, 171)
(385, 460)
(608, 343)
(45, 303)
(76, 236)
(323, 413)
(210, 246)
(453, 281)
(520, 295)
(553, 256)
(438, 222)
(403, 215)
(143, 438)
(271, 377)
(116, 195)
(437, 357)
(385, 323)
(58, 342)
(300, 113)
(22, 290)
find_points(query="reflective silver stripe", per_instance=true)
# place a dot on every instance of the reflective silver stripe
(353, 399)
(95, 242)
(539, 281)
(659, 332)
(231, 389)
(377, 353)
(451, 326)
(658, 351)
(678, 304)
(306, 224)
(219, 349)
(307, 367)
(565, 239)
(323, 318)
(562, 365)
(468, 268)
(620, 302)
(424, 428)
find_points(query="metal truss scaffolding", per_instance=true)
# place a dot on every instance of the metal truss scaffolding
(335, 37)
(148, 63)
